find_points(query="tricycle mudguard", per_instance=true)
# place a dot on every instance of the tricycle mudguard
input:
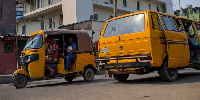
(21, 71)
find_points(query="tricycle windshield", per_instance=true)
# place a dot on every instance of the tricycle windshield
(34, 42)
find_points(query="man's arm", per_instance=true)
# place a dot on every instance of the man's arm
(73, 50)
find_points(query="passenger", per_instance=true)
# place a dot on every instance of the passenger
(51, 52)
(192, 46)
(70, 54)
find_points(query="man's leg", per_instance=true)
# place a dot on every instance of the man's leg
(68, 59)
(196, 49)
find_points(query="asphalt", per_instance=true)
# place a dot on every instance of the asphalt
(138, 87)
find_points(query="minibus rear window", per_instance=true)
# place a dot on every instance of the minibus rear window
(126, 25)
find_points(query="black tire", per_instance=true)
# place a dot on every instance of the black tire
(88, 75)
(69, 78)
(121, 77)
(20, 81)
(168, 74)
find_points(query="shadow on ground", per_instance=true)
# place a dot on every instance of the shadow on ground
(76, 82)
(188, 77)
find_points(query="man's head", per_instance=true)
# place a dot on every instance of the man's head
(50, 40)
(70, 40)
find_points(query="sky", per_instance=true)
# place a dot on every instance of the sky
(194, 3)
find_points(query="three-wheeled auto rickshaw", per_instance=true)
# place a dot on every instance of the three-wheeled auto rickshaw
(32, 57)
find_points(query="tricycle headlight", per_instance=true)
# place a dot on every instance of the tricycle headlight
(29, 59)
(33, 57)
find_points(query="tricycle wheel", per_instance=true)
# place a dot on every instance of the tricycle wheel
(121, 77)
(88, 75)
(69, 78)
(20, 81)
(168, 74)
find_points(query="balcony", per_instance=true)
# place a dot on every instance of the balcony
(109, 5)
(43, 10)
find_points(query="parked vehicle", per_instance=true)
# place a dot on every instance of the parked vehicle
(33, 57)
(147, 41)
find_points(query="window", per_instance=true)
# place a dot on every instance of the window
(124, 3)
(158, 9)
(111, 1)
(156, 24)
(95, 16)
(24, 30)
(39, 4)
(169, 23)
(179, 24)
(0, 8)
(50, 22)
(126, 25)
(8, 48)
(61, 20)
(138, 5)
(42, 25)
(198, 28)
(149, 6)
(191, 12)
(50, 2)
(159, 23)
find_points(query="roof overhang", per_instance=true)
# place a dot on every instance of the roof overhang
(43, 10)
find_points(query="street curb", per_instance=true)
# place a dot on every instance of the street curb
(6, 79)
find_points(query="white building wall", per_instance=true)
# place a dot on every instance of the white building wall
(36, 26)
(76, 10)
(169, 6)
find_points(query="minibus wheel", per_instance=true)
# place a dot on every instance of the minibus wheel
(20, 81)
(168, 74)
(88, 75)
(69, 78)
(121, 77)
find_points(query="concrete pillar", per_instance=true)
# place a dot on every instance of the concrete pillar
(76, 10)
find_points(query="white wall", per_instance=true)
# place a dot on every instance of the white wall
(169, 6)
(76, 10)
(36, 26)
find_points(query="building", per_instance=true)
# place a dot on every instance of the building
(88, 14)
(7, 17)
(189, 12)
(19, 10)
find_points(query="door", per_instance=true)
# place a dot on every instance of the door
(177, 42)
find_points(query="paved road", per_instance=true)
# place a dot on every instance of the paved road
(138, 87)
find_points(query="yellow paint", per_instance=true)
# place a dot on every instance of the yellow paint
(36, 69)
(21, 71)
(151, 41)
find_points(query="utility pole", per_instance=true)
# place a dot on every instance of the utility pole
(114, 8)
(180, 7)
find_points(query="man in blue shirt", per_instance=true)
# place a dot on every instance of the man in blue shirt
(71, 49)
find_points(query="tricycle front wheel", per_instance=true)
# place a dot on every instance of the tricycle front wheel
(20, 81)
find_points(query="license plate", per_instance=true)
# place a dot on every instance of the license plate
(104, 50)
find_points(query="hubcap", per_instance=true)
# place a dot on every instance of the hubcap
(20, 81)
(89, 74)
(171, 71)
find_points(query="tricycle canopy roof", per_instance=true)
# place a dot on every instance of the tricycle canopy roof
(83, 38)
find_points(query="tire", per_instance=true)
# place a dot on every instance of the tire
(69, 78)
(20, 81)
(121, 77)
(88, 75)
(168, 74)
